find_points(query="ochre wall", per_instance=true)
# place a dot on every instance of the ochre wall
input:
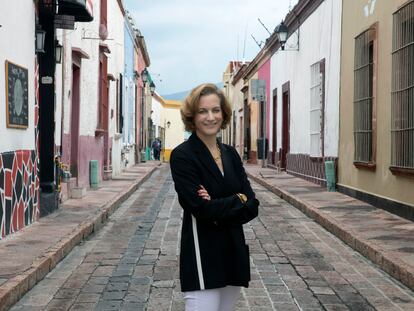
(358, 16)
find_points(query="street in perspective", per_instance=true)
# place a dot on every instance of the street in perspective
(162, 155)
(132, 262)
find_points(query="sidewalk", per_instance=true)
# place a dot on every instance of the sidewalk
(384, 238)
(27, 256)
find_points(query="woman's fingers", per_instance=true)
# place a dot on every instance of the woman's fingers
(202, 192)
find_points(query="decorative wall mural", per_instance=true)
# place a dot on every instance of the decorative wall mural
(19, 190)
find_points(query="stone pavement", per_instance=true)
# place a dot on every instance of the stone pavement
(27, 256)
(384, 238)
(132, 263)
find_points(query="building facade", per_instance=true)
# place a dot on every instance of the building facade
(238, 133)
(129, 90)
(31, 79)
(174, 127)
(116, 60)
(158, 117)
(377, 104)
(85, 136)
(304, 108)
(19, 179)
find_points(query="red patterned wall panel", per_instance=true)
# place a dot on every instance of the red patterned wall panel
(19, 201)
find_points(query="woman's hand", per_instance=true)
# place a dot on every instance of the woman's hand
(202, 192)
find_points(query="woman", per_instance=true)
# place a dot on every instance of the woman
(217, 199)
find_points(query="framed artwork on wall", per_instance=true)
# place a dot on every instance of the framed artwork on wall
(17, 96)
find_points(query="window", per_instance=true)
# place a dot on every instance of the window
(364, 100)
(317, 109)
(402, 91)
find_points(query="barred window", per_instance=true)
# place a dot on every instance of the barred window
(402, 90)
(317, 109)
(363, 97)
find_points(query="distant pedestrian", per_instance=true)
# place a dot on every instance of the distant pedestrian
(156, 149)
(217, 199)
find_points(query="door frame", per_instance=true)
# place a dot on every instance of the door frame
(285, 123)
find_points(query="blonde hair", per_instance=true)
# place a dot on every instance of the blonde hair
(192, 101)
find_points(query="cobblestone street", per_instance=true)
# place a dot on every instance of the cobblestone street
(131, 263)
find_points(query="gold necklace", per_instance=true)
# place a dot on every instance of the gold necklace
(218, 156)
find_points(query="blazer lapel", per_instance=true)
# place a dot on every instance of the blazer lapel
(226, 160)
(205, 157)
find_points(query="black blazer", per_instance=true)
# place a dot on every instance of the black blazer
(213, 248)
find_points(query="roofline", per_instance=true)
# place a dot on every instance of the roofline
(159, 98)
(171, 103)
(121, 6)
(293, 19)
(239, 74)
(139, 41)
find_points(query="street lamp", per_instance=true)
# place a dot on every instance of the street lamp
(152, 87)
(144, 76)
(58, 52)
(282, 32)
(40, 39)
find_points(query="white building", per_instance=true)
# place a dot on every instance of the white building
(305, 88)
(115, 72)
(18, 117)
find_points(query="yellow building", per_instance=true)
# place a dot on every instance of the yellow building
(228, 135)
(174, 127)
(251, 118)
(376, 151)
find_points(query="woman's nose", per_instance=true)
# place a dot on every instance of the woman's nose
(210, 115)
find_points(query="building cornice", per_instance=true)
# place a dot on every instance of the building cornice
(121, 6)
(239, 74)
(174, 104)
(159, 98)
(140, 43)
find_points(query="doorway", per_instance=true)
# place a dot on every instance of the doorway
(285, 123)
(246, 143)
(74, 121)
(274, 128)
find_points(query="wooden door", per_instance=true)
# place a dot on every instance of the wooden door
(285, 124)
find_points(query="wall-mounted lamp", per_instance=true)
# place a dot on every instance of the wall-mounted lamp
(40, 39)
(168, 124)
(144, 76)
(152, 87)
(58, 52)
(282, 35)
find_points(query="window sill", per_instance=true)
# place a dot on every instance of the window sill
(366, 165)
(408, 172)
(117, 136)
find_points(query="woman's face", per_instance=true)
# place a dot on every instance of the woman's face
(209, 117)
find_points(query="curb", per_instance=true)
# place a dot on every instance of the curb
(15, 288)
(386, 260)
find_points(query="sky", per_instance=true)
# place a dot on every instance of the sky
(191, 41)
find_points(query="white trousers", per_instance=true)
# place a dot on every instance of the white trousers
(217, 299)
